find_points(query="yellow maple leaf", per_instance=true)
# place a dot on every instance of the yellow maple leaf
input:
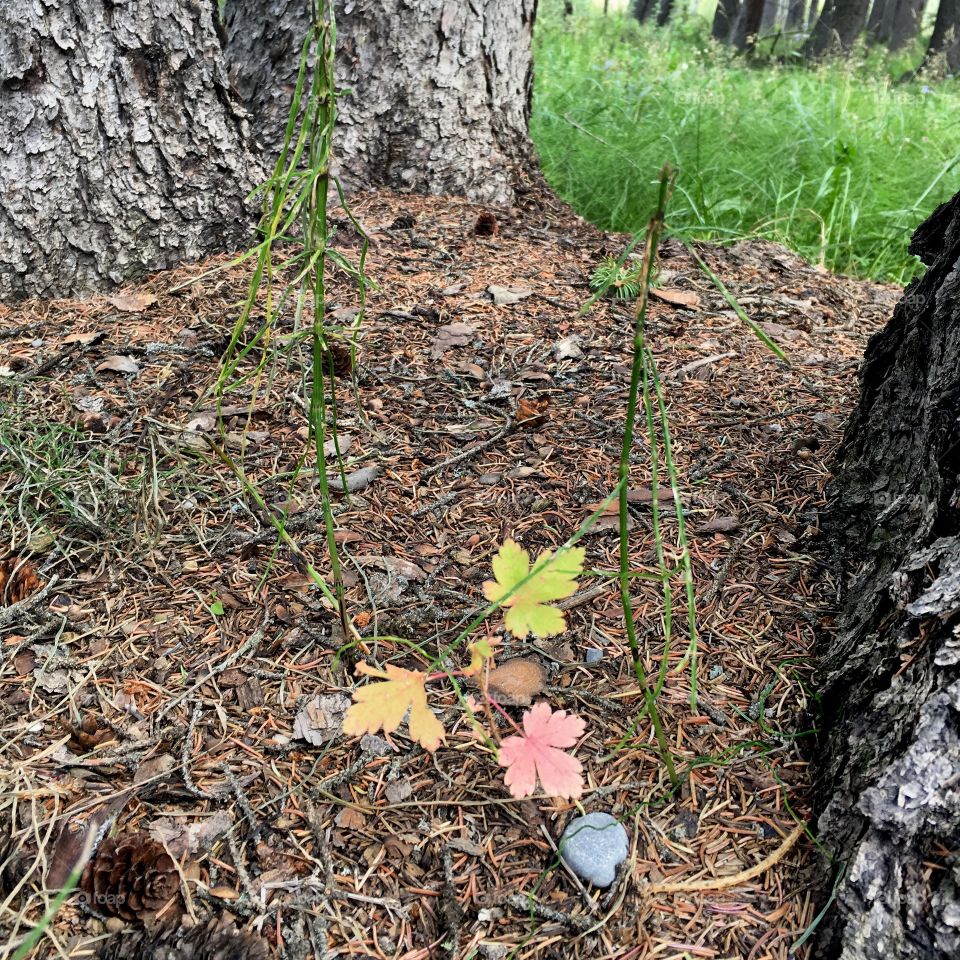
(381, 706)
(528, 609)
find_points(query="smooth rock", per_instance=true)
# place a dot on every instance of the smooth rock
(594, 846)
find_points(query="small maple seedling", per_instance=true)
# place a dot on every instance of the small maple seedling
(536, 751)
(527, 593)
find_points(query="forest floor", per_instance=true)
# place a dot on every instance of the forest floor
(160, 667)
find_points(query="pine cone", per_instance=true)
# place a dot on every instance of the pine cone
(18, 580)
(196, 943)
(130, 877)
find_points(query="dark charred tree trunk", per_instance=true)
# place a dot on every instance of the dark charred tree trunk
(747, 27)
(724, 19)
(121, 149)
(665, 12)
(945, 39)
(907, 19)
(439, 90)
(795, 15)
(839, 26)
(812, 14)
(643, 10)
(880, 21)
(889, 757)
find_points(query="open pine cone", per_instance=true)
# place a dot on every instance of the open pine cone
(130, 877)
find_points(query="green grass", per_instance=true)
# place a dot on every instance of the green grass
(837, 162)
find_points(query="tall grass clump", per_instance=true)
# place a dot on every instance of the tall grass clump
(838, 161)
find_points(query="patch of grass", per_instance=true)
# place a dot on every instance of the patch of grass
(837, 162)
(59, 485)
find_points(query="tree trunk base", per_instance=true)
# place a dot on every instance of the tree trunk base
(889, 765)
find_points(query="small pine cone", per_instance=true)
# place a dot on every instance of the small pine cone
(18, 580)
(130, 877)
(196, 943)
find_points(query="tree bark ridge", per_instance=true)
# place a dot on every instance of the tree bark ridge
(889, 762)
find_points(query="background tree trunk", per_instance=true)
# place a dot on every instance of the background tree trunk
(812, 14)
(906, 23)
(840, 24)
(770, 18)
(795, 15)
(747, 27)
(945, 39)
(665, 12)
(880, 21)
(121, 149)
(643, 10)
(889, 757)
(724, 18)
(439, 90)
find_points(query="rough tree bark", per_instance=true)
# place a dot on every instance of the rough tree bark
(945, 39)
(439, 90)
(840, 24)
(724, 18)
(121, 149)
(889, 759)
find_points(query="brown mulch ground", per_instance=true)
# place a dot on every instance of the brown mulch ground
(154, 681)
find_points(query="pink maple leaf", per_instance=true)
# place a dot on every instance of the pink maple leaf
(535, 754)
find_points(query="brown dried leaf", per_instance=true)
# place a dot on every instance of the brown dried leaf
(452, 335)
(132, 302)
(119, 364)
(676, 298)
(720, 525)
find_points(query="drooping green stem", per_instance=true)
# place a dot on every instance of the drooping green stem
(654, 230)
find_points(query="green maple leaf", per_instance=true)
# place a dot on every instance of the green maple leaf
(528, 607)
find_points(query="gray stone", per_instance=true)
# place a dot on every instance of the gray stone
(594, 846)
(593, 655)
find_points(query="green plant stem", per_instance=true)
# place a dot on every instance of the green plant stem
(315, 239)
(654, 230)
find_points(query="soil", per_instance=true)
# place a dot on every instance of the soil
(159, 644)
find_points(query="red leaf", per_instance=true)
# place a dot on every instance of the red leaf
(536, 754)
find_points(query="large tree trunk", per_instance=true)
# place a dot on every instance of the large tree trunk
(121, 150)
(839, 26)
(945, 39)
(880, 21)
(724, 18)
(439, 90)
(665, 12)
(906, 23)
(747, 27)
(889, 759)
